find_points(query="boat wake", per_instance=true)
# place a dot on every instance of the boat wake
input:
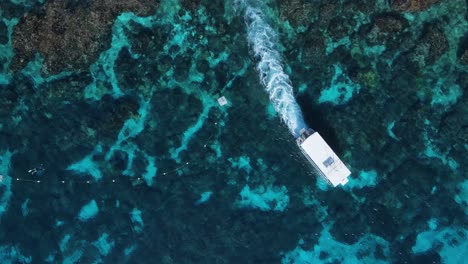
(262, 39)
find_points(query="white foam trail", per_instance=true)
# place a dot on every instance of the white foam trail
(262, 39)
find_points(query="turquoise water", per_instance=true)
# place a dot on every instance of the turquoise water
(135, 161)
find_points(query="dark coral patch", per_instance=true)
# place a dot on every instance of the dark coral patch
(70, 34)
(412, 5)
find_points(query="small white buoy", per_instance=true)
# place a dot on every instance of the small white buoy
(222, 101)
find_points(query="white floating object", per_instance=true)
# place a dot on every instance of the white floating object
(322, 157)
(222, 101)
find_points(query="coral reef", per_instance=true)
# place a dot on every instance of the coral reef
(297, 12)
(412, 5)
(116, 103)
(70, 34)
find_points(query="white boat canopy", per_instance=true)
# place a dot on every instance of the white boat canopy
(325, 160)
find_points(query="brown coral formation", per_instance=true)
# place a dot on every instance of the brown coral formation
(314, 48)
(387, 29)
(328, 11)
(297, 12)
(70, 34)
(430, 47)
(391, 24)
(339, 27)
(412, 5)
(437, 42)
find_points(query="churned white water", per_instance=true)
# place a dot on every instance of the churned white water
(263, 42)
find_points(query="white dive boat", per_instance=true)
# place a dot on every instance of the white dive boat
(322, 157)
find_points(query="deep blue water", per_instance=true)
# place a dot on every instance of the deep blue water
(114, 148)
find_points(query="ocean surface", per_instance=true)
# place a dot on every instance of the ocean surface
(115, 147)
